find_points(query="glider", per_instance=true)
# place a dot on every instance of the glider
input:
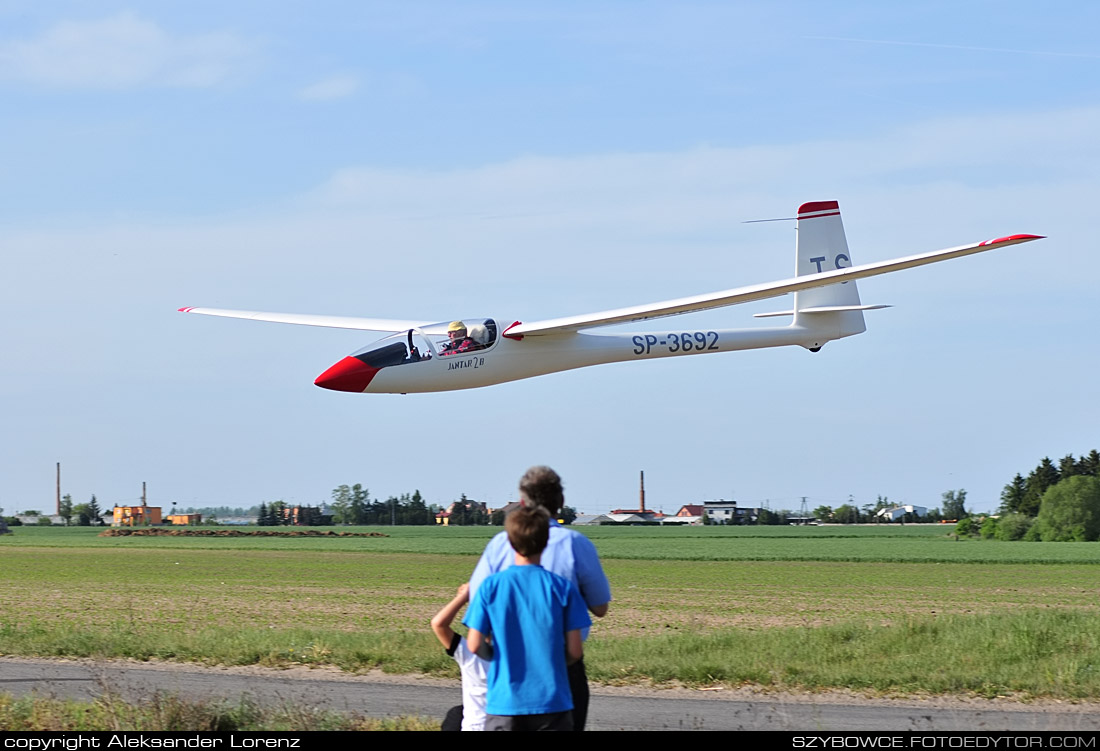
(420, 356)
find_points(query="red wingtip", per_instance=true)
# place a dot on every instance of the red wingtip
(185, 310)
(1013, 239)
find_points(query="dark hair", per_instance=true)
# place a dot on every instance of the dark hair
(541, 486)
(528, 530)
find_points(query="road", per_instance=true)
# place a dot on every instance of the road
(611, 708)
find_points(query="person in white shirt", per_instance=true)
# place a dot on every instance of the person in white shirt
(474, 667)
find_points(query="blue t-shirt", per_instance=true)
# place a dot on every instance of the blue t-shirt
(527, 610)
(568, 554)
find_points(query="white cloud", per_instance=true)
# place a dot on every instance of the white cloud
(337, 87)
(122, 51)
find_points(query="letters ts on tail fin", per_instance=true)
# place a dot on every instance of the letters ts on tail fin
(835, 310)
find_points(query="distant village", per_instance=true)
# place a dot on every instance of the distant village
(462, 512)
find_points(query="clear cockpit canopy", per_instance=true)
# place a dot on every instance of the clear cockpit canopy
(444, 339)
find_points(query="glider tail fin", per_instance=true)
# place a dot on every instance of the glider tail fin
(835, 310)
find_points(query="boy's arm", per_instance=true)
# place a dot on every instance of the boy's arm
(475, 641)
(441, 623)
(574, 646)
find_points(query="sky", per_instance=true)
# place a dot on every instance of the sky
(525, 161)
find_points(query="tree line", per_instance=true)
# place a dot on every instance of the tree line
(1054, 503)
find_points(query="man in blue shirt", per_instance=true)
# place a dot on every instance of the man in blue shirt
(568, 554)
(535, 619)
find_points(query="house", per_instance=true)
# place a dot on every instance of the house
(463, 507)
(135, 516)
(895, 513)
(728, 512)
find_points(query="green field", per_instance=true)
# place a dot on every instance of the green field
(904, 609)
(885, 544)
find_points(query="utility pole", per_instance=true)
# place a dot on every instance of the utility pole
(59, 488)
(143, 492)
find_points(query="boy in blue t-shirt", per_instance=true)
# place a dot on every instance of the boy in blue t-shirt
(535, 619)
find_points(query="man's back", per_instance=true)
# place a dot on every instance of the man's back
(568, 553)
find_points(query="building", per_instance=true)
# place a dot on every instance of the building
(185, 520)
(463, 507)
(895, 513)
(306, 516)
(728, 512)
(135, 516)
(636, 515)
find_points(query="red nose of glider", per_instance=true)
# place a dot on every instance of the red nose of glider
(350, 374)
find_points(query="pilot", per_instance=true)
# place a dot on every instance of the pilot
(459, 342)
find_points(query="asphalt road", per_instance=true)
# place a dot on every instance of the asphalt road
(611, 708)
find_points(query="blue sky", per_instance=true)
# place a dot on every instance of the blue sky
(528, 161)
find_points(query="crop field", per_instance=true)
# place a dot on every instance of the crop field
(898, 609)
(883, 544)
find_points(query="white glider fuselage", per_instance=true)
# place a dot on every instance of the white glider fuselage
(464, 354)
(512, 360)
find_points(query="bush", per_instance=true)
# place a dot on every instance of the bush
(989, 528)
(13, 521)
(1014, 527)
(1070, 510)
(964, 526)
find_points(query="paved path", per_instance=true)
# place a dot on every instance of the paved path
(611, 708)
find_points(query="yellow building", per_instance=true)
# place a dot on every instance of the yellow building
(136, 516)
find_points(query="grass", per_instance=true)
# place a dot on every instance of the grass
(169, 713)
(979, 626)
(886, 544)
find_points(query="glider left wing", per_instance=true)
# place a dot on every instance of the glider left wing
(305, 319)
(753, 292)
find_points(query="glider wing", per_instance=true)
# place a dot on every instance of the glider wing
(753, 292)
(305, 319)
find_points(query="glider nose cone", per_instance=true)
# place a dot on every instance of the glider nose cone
(350, 374)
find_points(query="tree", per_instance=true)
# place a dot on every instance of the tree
(846, 514)
(823, 513)
(263, 519)
(1070, 511)
(95, 511)
(1067, 466)
(568, 515)
(1013, 527)
(1042, 477)
(341, 505)
(83, 515)
(1012, 497)
(954, 504)
(497, 518)
(65, 511)
(360, 506)
(988, 530)
(277, 513)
